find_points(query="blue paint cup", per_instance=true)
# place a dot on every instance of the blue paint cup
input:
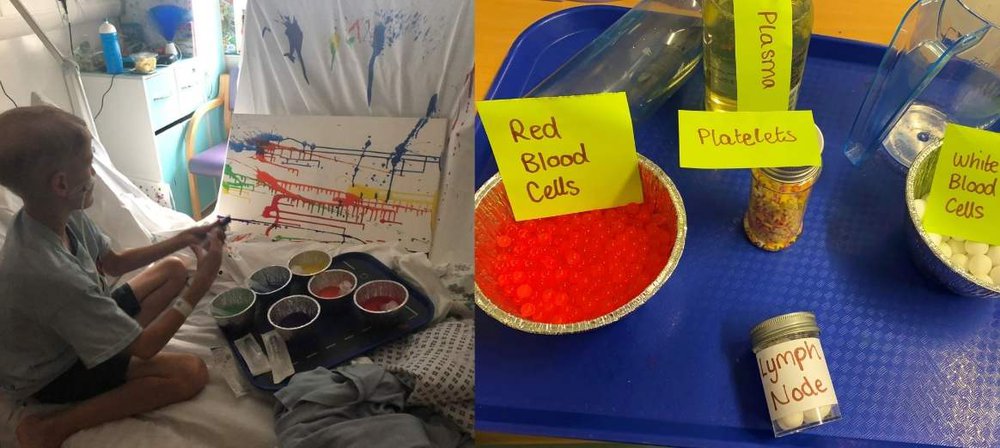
(270, 283)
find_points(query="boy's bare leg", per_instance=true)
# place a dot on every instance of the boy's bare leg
(157, 287)
(151, 384)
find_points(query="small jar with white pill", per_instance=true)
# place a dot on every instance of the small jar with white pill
(792, 368)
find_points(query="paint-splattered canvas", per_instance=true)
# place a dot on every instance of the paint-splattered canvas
(339, 180)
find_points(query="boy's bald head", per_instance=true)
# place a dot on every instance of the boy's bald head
(35, 143)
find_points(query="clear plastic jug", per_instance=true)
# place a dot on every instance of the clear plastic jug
(942, 66)
(648, 54)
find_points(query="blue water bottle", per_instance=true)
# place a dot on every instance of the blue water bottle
(112, 51)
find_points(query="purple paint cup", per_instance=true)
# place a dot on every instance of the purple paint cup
(293, 316)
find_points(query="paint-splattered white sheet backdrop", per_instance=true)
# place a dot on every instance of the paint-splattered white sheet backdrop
(372, 58)
(337, 180)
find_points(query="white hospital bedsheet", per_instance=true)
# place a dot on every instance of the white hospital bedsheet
(215, 418)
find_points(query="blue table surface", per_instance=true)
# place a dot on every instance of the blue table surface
(912, 363)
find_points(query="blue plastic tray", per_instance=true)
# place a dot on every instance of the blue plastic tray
(912, 364)
(342, 336)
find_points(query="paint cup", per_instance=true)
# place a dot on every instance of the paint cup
(293, 316)
(382, 302)
(333, 288)
(270, 283)
(233, 311)
(304, 266)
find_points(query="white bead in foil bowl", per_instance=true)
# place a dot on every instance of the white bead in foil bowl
(928, 256)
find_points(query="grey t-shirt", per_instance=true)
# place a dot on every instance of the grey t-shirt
(55, 307)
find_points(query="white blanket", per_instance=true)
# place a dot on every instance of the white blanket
(215, 418)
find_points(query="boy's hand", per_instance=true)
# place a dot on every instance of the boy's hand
(209, 255)
(195, 235)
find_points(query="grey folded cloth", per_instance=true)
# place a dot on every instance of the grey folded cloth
(357, 406)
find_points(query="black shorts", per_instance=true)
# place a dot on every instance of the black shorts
(80, 383)
(126, 299)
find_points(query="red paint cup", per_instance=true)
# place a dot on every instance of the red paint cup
(382, 302)
(333, 288)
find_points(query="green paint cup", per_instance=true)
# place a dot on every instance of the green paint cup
(233, 310)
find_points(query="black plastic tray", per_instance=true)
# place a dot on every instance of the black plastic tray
(341, 336)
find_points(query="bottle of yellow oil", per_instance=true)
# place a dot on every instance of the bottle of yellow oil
(720, 51)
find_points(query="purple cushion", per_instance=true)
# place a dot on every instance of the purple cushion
(210, 161)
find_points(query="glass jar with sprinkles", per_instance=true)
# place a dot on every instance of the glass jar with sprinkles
(778, 198)
(792, 368)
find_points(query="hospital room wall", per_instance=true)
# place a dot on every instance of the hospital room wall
(25, 64)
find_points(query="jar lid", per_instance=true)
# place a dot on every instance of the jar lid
(795, 174)
(790, 174)
(783, 325)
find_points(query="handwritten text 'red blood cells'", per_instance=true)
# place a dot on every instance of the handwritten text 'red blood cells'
(534, 162)
(799, 358)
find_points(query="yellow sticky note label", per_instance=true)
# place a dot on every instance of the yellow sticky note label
(963, 200)
(563, 155)
(748, 139)
(763, 54)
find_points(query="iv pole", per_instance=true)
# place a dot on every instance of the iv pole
(71, 71)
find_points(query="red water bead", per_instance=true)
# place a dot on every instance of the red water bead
(527, 310)
(573, 258)
(502, 279)
(544, 237)
(524, 291)
(518, 276)
(504, 241)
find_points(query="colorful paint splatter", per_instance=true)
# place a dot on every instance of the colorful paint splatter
(293, 32)
(381, 32)
(340, 180)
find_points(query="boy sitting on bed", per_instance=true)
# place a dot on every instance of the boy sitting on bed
(65, 335)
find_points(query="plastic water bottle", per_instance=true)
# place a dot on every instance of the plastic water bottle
(112, 50)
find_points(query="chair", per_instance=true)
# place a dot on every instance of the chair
(211, 161)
